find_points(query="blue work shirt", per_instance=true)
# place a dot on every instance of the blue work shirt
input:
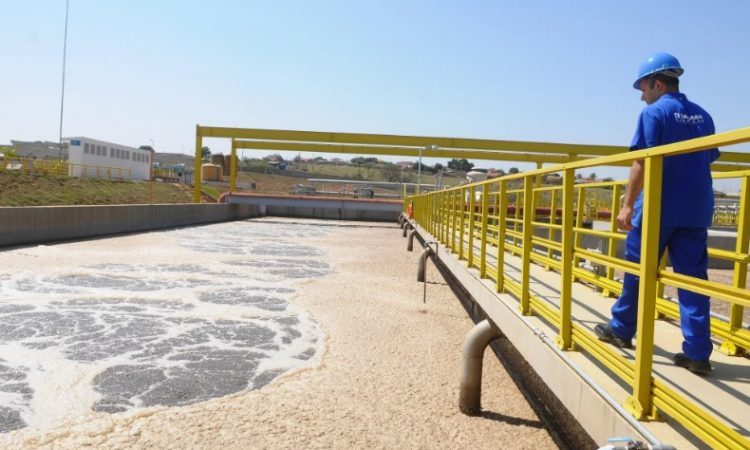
(687, 198)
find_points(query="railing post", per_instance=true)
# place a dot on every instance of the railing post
(444, 222)
(483, 239)
(739, 279)
(552, 217)
(434, 213)
(502, 213)
(640, 404)
(462, 222)
(579, 223)
(528, 213)
(472, 219)
(565, 338)
(660, 285)
(516, 215)
(612, 243)
(454, 202)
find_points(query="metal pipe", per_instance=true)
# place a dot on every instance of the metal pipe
(407, 225)
(410, 243)
(423, 263)
(476, 341)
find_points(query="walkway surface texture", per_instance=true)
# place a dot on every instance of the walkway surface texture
(267, 333)
(725, 393)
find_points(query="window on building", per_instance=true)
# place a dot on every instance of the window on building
(85, 148)
(111, 152)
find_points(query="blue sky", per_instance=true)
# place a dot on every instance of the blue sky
(143, 71)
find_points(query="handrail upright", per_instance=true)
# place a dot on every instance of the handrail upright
(739, 278)
(528, 213)
(502, 208)
(579, 223)
(462, 222)
(550, 230)
(472, 220)
(483, 244)
(565, 338)
(611, 243)
(640, 404)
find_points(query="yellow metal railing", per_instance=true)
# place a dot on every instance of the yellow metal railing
(499, 216)
(28, 166)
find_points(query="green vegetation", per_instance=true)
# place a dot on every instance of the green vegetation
(35, 190)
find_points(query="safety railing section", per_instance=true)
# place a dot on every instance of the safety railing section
(599, 200)
(482, 222)
(28, 166)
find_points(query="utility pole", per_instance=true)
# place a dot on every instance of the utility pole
(62, 95)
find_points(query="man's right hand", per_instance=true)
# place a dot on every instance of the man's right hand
(623, 219)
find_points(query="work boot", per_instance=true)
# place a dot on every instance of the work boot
(605, 334)
(702, 368)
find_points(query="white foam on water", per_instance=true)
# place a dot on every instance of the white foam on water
(161, 318)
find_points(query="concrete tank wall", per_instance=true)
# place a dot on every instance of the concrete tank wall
(36, 224)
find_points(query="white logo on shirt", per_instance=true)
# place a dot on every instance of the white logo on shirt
(684, 118)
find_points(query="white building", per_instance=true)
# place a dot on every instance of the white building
(99, 159)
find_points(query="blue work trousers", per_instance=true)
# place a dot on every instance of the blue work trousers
(689, 256)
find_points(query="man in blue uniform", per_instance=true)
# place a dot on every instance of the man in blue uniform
(687, 209)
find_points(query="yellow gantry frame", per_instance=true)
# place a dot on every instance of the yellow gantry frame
(649, 395)
(394, 145)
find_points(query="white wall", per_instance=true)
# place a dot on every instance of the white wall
(100, 159)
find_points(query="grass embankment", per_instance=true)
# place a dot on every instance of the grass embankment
(35, 190)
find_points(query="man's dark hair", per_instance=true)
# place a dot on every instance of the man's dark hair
(672, 83)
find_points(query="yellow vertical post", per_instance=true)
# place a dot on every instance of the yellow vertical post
(472, 220)
(739, 279)
(565, 338)
(611, 242)
(516, 215)
(579, 222)
(528, 214)
(434, 213)
(640, 404)
(538, 179)
(552, 219)
(233, 168)
(660, 285)
(454, 208)
(502, 214)
(462, 222)
(197, 165)
(536, 195)
(446, 217)
(483, 237)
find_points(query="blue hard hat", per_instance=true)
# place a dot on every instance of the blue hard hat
(659, 62)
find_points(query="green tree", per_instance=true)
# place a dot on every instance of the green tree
(205, 153)
(513, 170)
(460, 164)
(392, 172)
